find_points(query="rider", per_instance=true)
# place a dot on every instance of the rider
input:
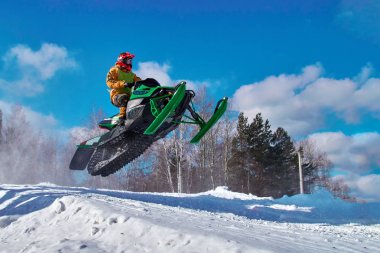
(121, 79)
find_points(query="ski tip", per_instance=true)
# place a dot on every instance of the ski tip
(219, 111)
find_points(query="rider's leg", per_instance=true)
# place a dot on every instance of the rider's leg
(121, 100)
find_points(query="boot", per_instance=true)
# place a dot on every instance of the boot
(122, 115)
(121, 119)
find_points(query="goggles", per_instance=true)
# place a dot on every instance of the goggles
(127, 61)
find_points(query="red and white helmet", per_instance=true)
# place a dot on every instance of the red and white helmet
(124, 61)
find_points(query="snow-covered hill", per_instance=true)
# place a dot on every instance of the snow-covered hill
(48, 218)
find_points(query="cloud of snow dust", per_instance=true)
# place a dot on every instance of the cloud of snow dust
(28, 155)
(36, 119)
(44, 123)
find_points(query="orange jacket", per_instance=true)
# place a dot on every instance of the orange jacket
(116, 78)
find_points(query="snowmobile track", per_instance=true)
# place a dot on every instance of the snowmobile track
(130, 145)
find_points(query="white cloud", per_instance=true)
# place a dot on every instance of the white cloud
(161, 74)
(368, 95)
(300, 102)
(36, 67)
(368, 186)
(356, 157)
(46, 61)
(358, 153)
(364, 74)
(363, 187)
(273, 89)
(24, 87)
(156, 71)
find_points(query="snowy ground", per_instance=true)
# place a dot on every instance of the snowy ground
(48, 218)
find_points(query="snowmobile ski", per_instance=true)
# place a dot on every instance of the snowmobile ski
(219, 111)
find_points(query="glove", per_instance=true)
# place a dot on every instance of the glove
(129, 85)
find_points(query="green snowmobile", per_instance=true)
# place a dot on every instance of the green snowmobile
(153, 111)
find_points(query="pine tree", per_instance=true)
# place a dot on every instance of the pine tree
(237, 164)
(282, 177)
(263, 163)
(259, 136)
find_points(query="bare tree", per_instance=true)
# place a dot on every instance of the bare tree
(204, 109)
(228, 128)
(164, 162)
(162, 150)
(339, 189)
(181, 161)
(168, 164)
(315, 164)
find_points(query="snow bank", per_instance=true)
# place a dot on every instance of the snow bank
(320, 207)
(49, 218)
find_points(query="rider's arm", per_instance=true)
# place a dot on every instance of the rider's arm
(136, 78)
(112, 79)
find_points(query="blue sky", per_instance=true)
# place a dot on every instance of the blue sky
(309, 66)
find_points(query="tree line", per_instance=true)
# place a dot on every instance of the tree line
(265, 162)
(246, 156)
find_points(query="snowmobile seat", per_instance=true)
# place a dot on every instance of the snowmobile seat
(111, 122)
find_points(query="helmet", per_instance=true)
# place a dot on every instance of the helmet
(124, 61)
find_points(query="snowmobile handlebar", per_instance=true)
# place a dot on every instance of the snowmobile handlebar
(129, 85)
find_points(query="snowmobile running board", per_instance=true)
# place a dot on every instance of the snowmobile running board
(168, 109)
(219, 111)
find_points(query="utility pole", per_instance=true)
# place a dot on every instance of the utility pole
(179, 159)
(300, 171)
